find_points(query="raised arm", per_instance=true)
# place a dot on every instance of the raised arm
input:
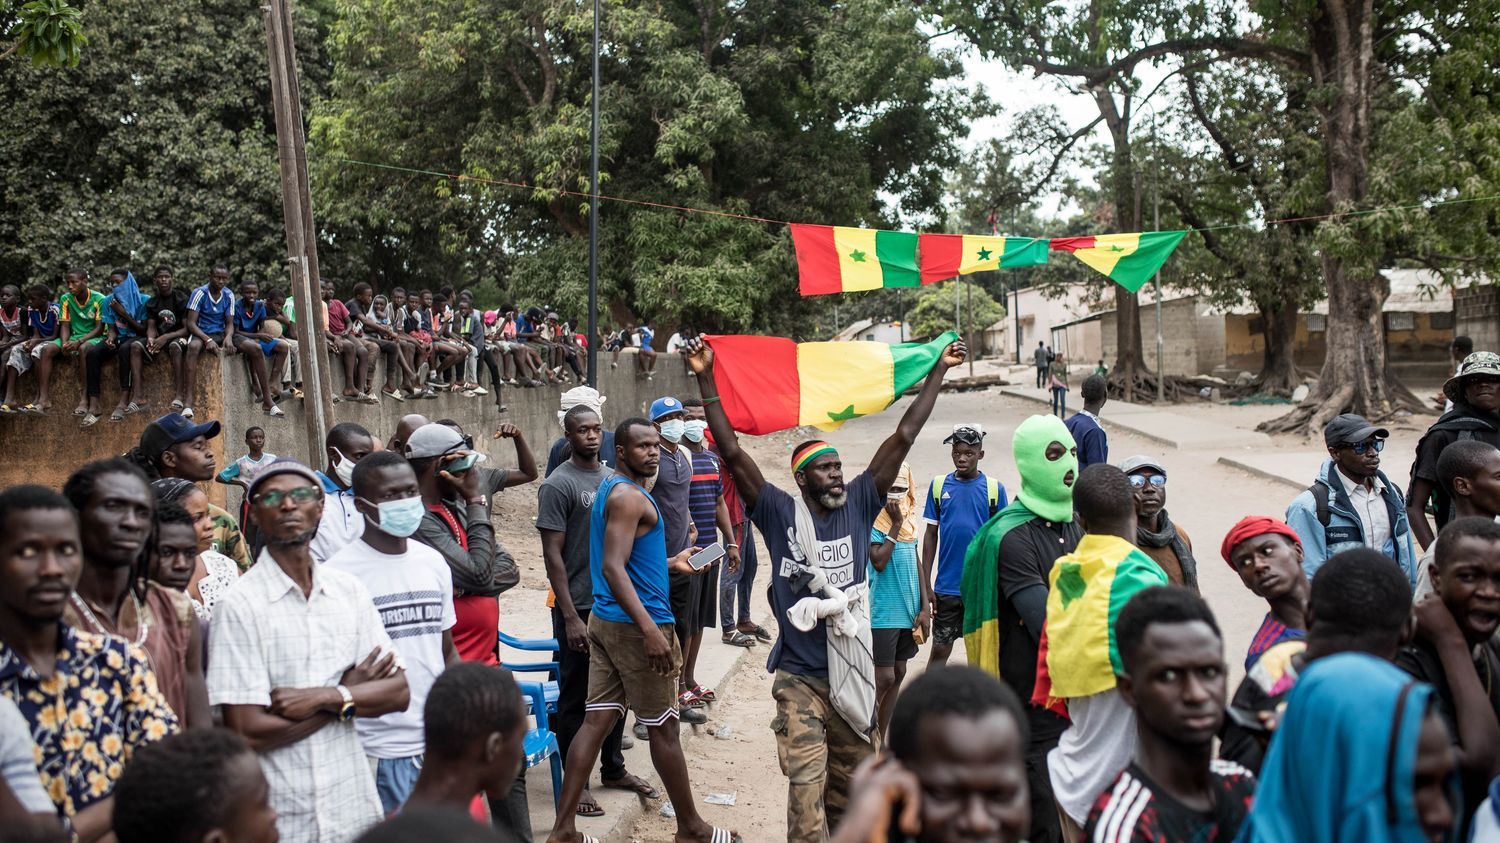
(526, 470)
(886, 463)
(747, 476)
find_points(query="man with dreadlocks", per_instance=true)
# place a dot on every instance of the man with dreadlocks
(116, 515)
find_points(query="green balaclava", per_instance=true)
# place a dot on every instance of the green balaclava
(1042, 487)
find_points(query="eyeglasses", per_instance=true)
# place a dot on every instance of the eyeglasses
(1361, 447)
(301, 494)
(1139, 480)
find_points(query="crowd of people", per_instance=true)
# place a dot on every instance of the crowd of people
(428, 341)
(323, 664)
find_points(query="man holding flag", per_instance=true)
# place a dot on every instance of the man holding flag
(1005, 587)
(1080, 658)
(818, 542)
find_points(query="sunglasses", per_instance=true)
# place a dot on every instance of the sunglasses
(301, 494)
(1360, 447)
(1139, 480)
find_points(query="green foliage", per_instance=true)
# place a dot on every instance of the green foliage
(933, 312)
(49, 32)
(789, 110)
(158, 147)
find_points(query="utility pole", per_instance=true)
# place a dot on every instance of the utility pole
(969, 337)
(594, 216)
(301, 235)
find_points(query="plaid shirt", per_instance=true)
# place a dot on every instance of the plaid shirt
(97, 707)
(266, 634)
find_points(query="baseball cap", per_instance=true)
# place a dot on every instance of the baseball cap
(1349, 428)
(285, 465)
(969, 434)
(437, 440)
(665, 407)
(173, 429)
(1134, 464)
(1478, 363)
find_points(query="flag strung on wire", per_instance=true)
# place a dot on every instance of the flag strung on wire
(771, 383)
(1127, 259)
(840, 260)
(947, 255)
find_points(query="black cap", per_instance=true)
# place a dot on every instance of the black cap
(1351, 429)
(173, 429)
(969, 434)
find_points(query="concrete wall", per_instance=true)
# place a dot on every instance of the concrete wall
(1193, 343)
(1476, 312)
(45, 450)
(1422, 347)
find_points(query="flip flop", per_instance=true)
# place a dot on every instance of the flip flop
(633, 784)
(132, 408)
(117, 416)
(77, 411)
(705, 694)
(275, 412)
(187, 412)
(9, 410)
(686, 699)
(592, 809)
(721, 835)
(759, 632)
(176, 405)
(34, 410)
(736, 638)
(89, 420)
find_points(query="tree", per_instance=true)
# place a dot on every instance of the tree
(48, 32)
(787, 110)
(158, 147)
(934, 310)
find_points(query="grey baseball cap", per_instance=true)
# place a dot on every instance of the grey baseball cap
(1136, 463)
(436, 440)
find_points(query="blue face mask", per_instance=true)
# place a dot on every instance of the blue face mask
(672, 430)
(399, 518)
(693, 430)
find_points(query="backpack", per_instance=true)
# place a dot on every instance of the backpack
(991, 485)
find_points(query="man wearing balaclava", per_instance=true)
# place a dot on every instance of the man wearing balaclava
(1005, 590)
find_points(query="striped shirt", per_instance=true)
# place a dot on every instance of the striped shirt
(1135, 810)
(703, 495)
(1271, 633)
(213, 313)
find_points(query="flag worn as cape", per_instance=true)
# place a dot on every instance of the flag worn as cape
(1128, 259)
(771, 383)
(981, 587)
(1079, 656)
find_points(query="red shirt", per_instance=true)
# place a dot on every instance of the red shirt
(338, 318)
(476, 618)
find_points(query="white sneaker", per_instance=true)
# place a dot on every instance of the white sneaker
(479, 390)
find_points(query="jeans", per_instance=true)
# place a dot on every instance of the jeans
(572, 694)
(738, 584)
(394, 779)
(1060, 402)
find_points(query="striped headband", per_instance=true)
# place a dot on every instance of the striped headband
(809, 452)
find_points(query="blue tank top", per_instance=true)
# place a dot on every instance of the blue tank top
(646, 567)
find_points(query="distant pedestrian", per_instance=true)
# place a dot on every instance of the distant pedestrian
(1057, 381)
(1088, 432)
(1043, 361)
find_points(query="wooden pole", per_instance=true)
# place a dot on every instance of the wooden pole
(301, 236)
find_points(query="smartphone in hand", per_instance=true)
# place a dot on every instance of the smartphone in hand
(707, 556)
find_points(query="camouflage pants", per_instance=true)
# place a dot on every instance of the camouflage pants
(818, 753)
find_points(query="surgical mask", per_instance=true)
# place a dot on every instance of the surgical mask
(672, 430)
(693, 430)
(399, 518)
(344, 469)
(1042, 488)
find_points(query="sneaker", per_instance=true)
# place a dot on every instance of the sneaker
(627, 742)
(639, 730)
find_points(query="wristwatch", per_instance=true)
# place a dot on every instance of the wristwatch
(346, 711)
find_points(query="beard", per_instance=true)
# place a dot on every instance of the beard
(649, 483)
(830, 500)
(294, 541)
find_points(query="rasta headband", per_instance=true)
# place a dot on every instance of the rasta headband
(809, 452)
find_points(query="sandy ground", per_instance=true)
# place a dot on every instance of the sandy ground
(1204, 497)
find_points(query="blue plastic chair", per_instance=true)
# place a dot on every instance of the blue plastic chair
(540, 743)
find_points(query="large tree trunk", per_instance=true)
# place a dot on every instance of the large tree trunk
(1129, 379)
(1354, 377)
(1278, 371)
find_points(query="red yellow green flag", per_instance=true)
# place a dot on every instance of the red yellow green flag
(1128, 259)
(947, 255)
(1079, 656)
(771, 383)
(834, 259)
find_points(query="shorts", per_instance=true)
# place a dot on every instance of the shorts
(620, 677)
(892, 645)
(948, 619)
(218, 338)
(20, 359)
(680, 596)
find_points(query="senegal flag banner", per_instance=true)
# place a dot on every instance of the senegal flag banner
(947, 255)
(1079, 656)
(771, 383)
(1128, 259)
(840, 260)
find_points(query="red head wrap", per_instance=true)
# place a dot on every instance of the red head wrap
(1255, 525)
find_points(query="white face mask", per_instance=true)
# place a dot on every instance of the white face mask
(693, 430)
(672, 430)
(344, 469)
(400, 518)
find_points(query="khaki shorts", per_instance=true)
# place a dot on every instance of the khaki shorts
(620, 677)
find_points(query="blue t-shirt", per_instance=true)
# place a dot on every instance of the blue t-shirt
(896, 592)
(843, 554)
(1093, 444)
(703, 496)
(965, 508)
(213, 316)
(646, 567)
(248, 323)
(44, 321)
